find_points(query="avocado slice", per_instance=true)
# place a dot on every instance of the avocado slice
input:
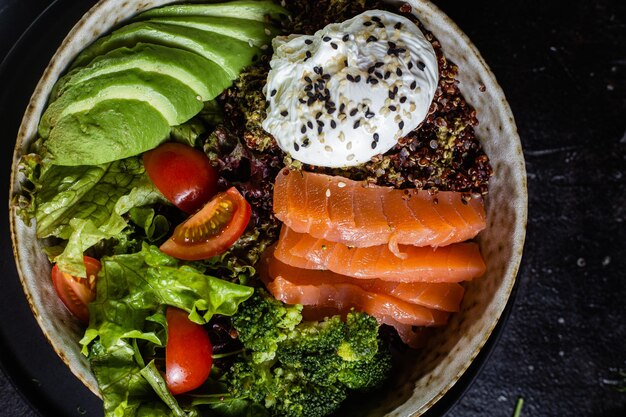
(229, 53)
(241, 9)
(252, 32)
(203, 76)
(172, 98)
(110, 130)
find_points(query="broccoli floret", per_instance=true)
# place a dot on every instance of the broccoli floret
(263, 322)
(304, 369)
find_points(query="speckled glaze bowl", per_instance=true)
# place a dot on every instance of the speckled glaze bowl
(427, 374)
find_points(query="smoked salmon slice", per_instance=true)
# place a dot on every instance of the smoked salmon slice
(361, 215)
(438, 296)
(452, 263)
(343, 296)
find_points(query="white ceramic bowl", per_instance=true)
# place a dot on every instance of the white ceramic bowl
(431, 372)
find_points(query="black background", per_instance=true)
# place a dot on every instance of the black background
(562, 66)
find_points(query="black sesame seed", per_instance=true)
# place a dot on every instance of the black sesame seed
(393, 108)
(308, 54)
(326, 38)
(403, 99)
(296, 147)
(308, 79)
(387, 75)
(376, 137)
(401, 125)
(320, 123)
(380, 25)
(301, 100)
(353, 112)
(326, 77)
(317, 70)
(367, 24)
(309, 124)
(303, 129)
(379, 64)
(342, 107)
(372, 39)
(333, 124)
(308, 41)
(334, 45)
(398, 72)
(345, 38)
(318, 115)
(310, 94)
(371, 69)
(350, 77)
(369, 114)
(373, 80)
(319, 130)
(308, 87)
(273, 93)
(331, 110)
(400, 50)
(413, 85)
(374, 145)
(391, 44)
(410, 65)
(421, 65)
(357, 79)
(345, 62)
(378, 74)
(284, 113)
(310, 101)
(356, 124)
(398, 25)
(375, 18)
(305, 142)
(395, 89)
(392, 95)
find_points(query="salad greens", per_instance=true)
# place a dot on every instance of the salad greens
(86, 204)
(127, 323)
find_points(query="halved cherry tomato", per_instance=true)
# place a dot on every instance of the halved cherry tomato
(212, 230)
(76, 293)
(183, 174)
(188, 353)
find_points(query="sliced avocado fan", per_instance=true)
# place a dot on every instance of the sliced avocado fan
(125, 91)
(242, 9)
(203, 76)
(176, 102)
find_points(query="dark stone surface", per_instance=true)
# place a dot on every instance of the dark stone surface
(562, 65)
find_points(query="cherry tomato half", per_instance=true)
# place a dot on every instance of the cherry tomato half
(188, 353)
(183, 174)
(212, 230)
(76, 293)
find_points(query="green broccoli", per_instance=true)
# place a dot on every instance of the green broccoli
(309, 367)
(262, 322)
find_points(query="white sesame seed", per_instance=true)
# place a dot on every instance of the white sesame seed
(350, 157)
(349, 146)
(251, 43)
(328, 192)
(341, 184)
(328, 148)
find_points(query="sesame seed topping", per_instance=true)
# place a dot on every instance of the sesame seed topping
(410, 65)
(376, 137)
(284, 113)
(328, 148)
(349, 77)
(374, 143)
(356, 124)
(413, 85)
(398, 25)
(353, 111)
(306, 142)
(373, 80)
(403, 99)
(309, 124)
(375, 19)
(367, 24)
(273, 93)
(342, 107)
(308, 79)
(326, 38)
(392, 108)
(379, 64)
(421, 65)
(391, 44)
(334, 45)
(349, 146)
(346, 37)
(296, 147)
(372, 39)
(401, 125)
(303, 129)
(341, 184)
(328, 192)
(308, 41)
(398, 72)
(369, 114)
(350, 157)
(357, 79)
(308, 54)
(319, 129)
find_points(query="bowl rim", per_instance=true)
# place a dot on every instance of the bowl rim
(25, 136)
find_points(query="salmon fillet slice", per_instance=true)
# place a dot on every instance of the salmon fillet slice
(438, 296)
(452, 263)
(360, 215)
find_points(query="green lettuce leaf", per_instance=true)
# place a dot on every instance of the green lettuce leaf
(86, 204)
(127, 323)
